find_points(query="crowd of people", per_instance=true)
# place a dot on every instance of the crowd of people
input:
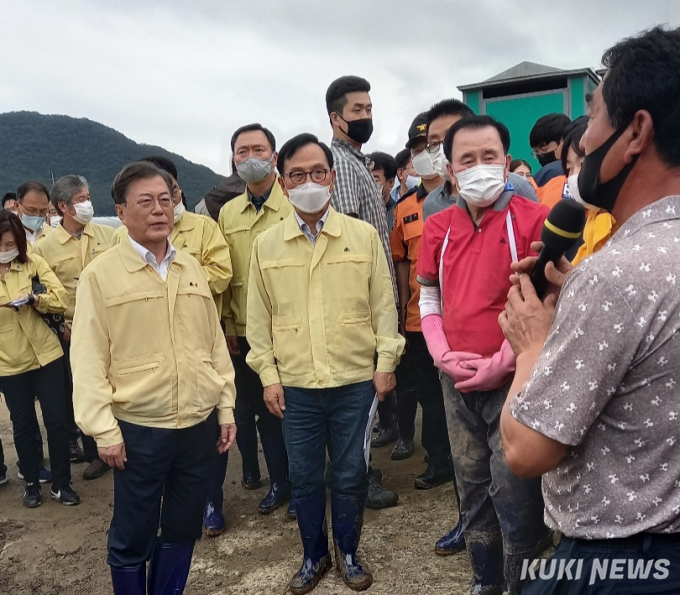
(318, 289)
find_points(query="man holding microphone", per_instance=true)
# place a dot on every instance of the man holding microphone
(594, 407)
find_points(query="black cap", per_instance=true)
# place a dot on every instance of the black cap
(418, 129)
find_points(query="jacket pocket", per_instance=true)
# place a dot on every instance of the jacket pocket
(291, 350)
(209, 383)
(142, 385)
(354, 340)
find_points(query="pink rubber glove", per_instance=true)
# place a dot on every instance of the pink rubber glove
(446, 360)
(490, 373)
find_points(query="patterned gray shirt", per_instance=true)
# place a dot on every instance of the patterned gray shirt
(606, 384)
(356, 192)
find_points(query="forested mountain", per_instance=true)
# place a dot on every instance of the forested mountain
(36, 147)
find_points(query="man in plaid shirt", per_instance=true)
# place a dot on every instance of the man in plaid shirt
(356, 193)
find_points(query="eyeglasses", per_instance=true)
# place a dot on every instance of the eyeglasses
(433, 147)
(317, 176)
(176, 190)
(146, 204)
(34, 212)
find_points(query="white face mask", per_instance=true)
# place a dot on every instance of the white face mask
(411, 183)
(309, 198)
(9, 256)
(178, 211)
(439, 163)
(55, 221)
(422, 163)
(84, 212)
(572, 183)
(480, 186)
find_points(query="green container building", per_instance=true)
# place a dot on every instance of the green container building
(519, 96)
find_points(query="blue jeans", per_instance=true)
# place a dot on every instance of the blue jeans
(338, 417)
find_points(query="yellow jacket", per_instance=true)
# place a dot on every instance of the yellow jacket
(45, 230)
(26, 342)
(147, 351)
(68, 256)
(241, 224)
(201, 237)
(600, 226)
(317, 315)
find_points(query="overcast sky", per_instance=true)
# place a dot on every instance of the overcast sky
(184, 74)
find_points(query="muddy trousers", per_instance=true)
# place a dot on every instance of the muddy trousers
(502, 514)
(168, 465)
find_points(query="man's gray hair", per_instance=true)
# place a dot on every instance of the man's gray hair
(66, 187)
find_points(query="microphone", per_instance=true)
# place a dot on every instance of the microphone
(561, 230)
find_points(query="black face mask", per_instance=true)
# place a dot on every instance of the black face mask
(546, 158)
(593, 192)
(359, 131)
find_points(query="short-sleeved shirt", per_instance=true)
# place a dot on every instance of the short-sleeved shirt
(355, 191)
(405, 240)
(476, 267)
(606, 384)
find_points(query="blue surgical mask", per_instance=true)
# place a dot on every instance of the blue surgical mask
(32, 222)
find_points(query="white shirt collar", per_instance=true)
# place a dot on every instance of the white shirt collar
(148, 257)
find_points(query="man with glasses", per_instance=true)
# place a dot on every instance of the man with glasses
(546, 140)
(152, 381)
(33, 206)
(241, 220)
(320, 313)
(200, 237)
(405, 240)
(74, 244)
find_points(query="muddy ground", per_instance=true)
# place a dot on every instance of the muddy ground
(55, 549)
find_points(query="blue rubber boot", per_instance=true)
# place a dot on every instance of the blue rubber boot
(454, 541)
(486, 559)
(314, 533)
(129, 580)
(169, 569)
(213, 519)
(348, 518)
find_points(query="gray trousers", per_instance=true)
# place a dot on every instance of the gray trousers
(502, 514)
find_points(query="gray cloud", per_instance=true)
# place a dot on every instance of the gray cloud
(184, 75)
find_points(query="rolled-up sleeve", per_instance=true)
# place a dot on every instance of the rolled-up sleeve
(259, 325)
(90, 361)
(389, 343)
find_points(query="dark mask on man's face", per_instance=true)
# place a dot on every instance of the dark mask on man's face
(546, 158)
(359, 131)
(594, 192)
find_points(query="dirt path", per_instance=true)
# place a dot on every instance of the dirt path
(54, 550)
